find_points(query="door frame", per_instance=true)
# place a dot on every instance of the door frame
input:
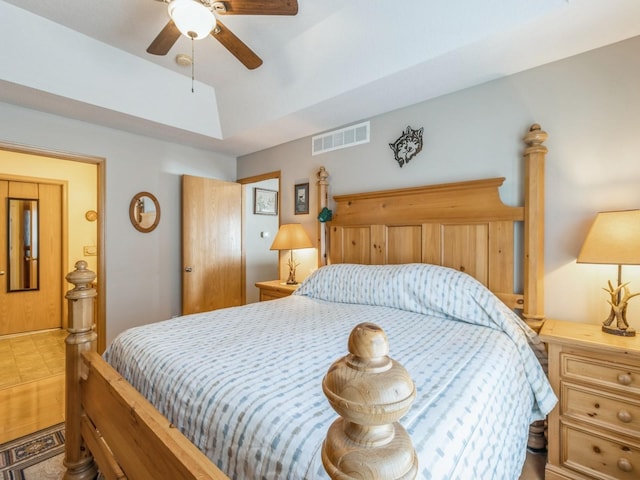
(244, 182)
(100, 163)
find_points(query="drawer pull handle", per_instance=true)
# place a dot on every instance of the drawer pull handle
(624, 379)
(624, 416)
(625, 465)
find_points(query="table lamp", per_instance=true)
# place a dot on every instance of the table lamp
(614, 239)
(291, 236)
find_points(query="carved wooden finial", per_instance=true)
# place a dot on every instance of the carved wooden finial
(535, 137)
(323, 175)
(81, 299)
(81, 277)
(370, 392)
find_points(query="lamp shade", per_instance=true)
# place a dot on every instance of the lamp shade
(614, 239)
(290, 237)
(192, 18)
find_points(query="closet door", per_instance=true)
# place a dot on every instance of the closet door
(30, 256)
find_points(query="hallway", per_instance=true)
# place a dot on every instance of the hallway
(31, 382)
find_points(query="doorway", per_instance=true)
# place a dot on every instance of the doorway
(32, 405)
(83, 180)
(258, 232)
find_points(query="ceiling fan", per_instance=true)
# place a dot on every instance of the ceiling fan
(195, 19)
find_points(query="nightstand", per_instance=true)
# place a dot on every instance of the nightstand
(594, 430)
(275, 289)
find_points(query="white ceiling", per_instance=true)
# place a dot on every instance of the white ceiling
(335, 62)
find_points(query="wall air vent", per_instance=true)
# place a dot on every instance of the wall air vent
(342, 138)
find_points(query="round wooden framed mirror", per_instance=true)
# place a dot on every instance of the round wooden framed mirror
(144, 212)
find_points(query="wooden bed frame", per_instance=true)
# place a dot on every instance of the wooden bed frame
(110, 427)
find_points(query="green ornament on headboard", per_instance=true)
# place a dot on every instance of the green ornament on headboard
(325, 215)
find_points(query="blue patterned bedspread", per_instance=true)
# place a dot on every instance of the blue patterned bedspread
(244, 383)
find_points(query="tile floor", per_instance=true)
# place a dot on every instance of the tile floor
(32, 356)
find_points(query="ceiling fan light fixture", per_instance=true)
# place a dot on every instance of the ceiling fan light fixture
(192, 18)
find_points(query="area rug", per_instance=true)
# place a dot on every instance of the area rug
(37, 456)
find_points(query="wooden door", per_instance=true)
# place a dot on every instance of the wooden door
(39, 308)
(211, 244)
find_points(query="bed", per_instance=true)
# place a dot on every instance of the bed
(239, 390)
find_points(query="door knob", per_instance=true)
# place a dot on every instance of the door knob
(1, 272)
(187, 269)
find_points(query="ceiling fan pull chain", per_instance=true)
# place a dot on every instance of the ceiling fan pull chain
(193, 61)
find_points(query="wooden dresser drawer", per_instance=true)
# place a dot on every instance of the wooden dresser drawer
(601, 372)
(597, 455)
(618, 413)
(272, 295)
(274, 289)
(594, 431)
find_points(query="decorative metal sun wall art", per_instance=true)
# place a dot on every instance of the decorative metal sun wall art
(407, 146)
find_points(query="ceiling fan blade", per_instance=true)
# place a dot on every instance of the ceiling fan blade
(165, 40)
(257, 7)
(236, 46)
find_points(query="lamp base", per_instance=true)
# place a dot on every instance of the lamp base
(629, 332)
(291, 280)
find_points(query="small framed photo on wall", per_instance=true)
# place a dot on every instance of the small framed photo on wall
(301, 195)
(265, 202)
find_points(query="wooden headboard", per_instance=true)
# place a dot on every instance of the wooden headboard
(462, 225)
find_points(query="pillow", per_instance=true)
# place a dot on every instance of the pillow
(416, 287)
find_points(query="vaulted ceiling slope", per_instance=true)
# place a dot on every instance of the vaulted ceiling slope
(333, 63)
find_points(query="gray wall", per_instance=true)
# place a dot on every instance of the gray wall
(143, 271)
(590, 106)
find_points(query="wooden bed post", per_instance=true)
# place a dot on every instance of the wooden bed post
(534, 157)
(370, 392)
(323, 201)
(81, 338)
(533, 311)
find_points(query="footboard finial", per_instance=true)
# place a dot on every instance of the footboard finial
(371, 392)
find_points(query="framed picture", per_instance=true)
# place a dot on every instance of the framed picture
(301, 195)
(265, 202)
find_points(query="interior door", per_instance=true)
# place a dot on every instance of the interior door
(211, 244)
(35, 303)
